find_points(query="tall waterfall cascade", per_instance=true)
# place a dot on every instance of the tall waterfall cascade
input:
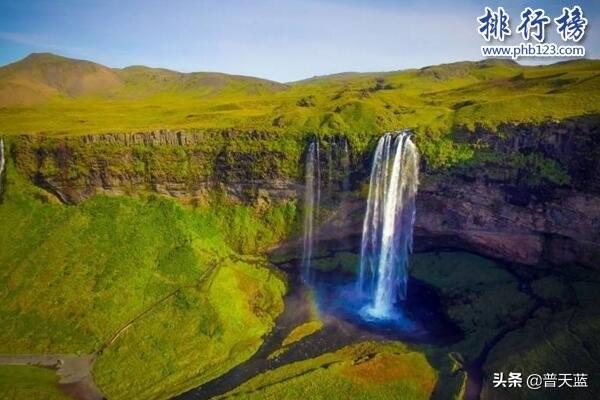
(388, 224)
(312, 198)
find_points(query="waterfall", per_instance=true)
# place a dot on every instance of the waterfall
(345, 164)
(330, 172)
(1, 162)
(312, 198)
(388, 224)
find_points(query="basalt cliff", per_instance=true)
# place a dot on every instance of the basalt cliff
(529, 193)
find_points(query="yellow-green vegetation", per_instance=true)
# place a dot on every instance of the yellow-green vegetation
(431, 100)
(312, 325)
(210, 157)
(302, 331)
(74, 276)
(366, 370)
(194, 337)
(539, 169)
(28, 382)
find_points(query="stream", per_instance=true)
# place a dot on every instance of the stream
(340, 328)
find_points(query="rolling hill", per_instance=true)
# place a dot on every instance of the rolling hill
(40, 77)
(45, 93)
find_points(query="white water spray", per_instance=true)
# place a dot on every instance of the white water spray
(312, 198)
(388, 224)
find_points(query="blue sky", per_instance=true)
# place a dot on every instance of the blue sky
(279, 40)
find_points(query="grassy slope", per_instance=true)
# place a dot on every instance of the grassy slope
(482, 297)
(27, 382)
(432, 101)
(84, 271)
(470, 287)
(193, 337)
(362, 371)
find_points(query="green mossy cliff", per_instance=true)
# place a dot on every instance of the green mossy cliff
(523, 192)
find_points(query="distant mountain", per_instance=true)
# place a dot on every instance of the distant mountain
(57, 95)
(42, 76)
(145, 79)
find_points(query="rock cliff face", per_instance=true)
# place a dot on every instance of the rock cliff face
(534, 196)
(530, 193)
(479, 217)
(179, 164)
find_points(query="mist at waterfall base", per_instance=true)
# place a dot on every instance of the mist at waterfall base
(420, 318)
(388, 226)
(378, 297)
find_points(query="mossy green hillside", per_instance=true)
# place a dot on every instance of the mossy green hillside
(206, 160)
(217, 325)
(28, 382)
(535, 320)
(471, 288)
(561, 337)
(364, 371)
(433, 98)
(172, 277)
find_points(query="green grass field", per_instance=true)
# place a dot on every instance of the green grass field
(27, 382)
(90, 98)
(56, 96)
(362, 371)
(73, 276)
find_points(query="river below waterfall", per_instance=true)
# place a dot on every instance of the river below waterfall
(452, 315)
(425, 324)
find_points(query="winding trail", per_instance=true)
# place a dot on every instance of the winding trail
(74, 371)
(209, 272)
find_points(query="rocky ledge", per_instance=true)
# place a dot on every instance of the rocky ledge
(530, 194)
(532, 197)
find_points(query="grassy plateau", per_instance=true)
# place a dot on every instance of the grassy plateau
(49, 94)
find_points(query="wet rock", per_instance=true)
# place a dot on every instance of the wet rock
(493, 208)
